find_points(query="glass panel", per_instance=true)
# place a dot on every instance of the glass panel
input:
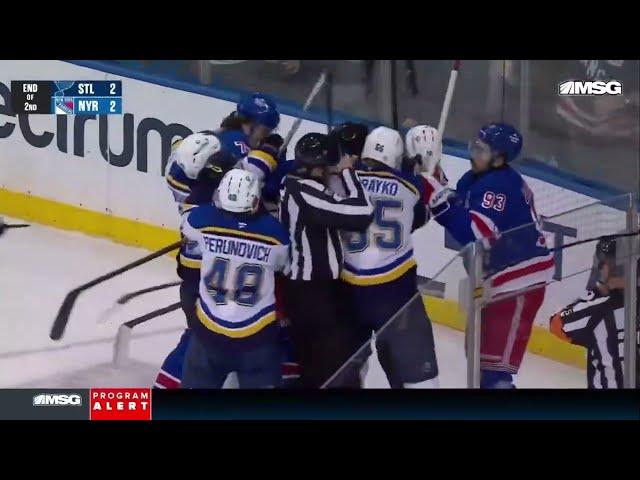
(360, 88)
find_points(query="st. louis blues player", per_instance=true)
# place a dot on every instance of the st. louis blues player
(201, 157)
(235, 328)
(379, 268)
(489, 200)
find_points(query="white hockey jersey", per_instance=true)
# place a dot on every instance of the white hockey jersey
(240, 255)
(384, 251)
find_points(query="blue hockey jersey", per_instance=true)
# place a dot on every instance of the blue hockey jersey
(487, 204)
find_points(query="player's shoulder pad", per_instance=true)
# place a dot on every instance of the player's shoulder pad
(202, 216)
(234, 141)
(412, 182)
(415, 180)
(501, 180)
(271, 226)
(465, 180)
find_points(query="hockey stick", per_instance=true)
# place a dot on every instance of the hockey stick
(62, 318)
(594, 239)
(123, 337)
(329, 100)
(16, 225)
(394, 96)
(296, 124)
(130, 296)
(124, 299)
(444, 114)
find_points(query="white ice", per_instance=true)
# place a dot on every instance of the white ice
(39, 265)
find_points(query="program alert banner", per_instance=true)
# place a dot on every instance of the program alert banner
(76, 404)
(120, 403)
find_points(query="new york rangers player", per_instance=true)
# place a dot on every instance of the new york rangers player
(490, 199)
(246, 134)
(380, 270)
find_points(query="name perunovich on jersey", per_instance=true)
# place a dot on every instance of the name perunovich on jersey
(240, 255)
(383, 252)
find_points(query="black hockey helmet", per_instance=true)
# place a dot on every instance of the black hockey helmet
(312, 150)
(606, 248)
(349, 138)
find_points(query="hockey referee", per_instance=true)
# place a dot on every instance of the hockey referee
(313, 215)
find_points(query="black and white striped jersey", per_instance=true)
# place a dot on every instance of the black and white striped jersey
(596, 323)
(313, 215)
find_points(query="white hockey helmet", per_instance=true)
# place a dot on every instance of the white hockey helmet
(384, 145)
(194, 151)
(425, 141)
(239, 191)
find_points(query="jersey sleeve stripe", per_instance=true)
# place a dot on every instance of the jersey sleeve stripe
(265, 158)
(177, 185)
(482, 226)
(259, 164)
(190, 262)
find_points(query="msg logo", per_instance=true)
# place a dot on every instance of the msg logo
(57, 400)
(581, 88)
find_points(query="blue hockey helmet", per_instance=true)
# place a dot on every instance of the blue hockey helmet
(260, 109)
(502, 139)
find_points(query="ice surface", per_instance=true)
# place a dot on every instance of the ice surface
(39, 265)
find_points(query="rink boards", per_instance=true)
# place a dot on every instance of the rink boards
(103, 176)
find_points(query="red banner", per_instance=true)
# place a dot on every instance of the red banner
(120, 404)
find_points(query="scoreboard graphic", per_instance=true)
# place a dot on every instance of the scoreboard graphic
(67, 97)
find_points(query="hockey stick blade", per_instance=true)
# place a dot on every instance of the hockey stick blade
(62, 318)
(17, 225)
(130, 296)
(154, 314)
(60, 323)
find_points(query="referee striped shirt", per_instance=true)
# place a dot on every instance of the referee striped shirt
(313, 216)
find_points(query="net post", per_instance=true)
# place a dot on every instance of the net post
(630, 296)
(475, 298)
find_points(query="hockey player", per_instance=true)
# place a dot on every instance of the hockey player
(380, 270)
(203, 161)
(248, 133)
(235, 328)
(489, 199)
(245, 134)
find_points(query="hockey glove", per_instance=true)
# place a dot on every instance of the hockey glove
(436, 196)
(2, 226)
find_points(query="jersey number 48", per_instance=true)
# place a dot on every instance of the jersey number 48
(245, 285)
